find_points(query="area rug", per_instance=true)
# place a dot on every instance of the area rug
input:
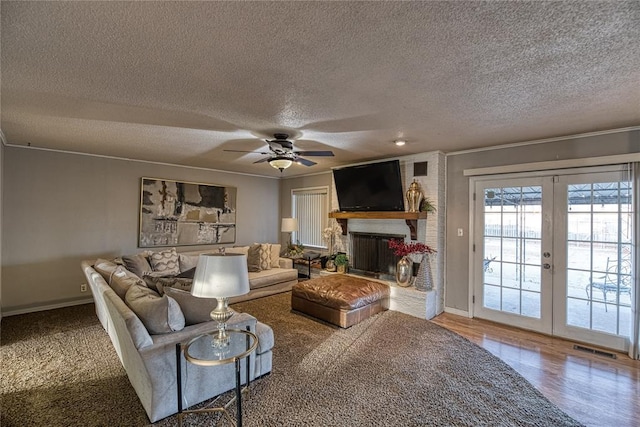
(393, 369)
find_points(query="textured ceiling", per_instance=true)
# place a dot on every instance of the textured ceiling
(179, 82)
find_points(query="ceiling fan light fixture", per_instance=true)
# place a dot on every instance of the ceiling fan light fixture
(280, 162)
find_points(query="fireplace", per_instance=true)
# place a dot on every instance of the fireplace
(371, 256)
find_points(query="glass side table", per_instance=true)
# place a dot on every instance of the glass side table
(201, 351)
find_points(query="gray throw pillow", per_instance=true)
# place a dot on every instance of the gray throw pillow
(195, 310)
(187, 262)
(137, 264)
(253, 258)
(159, 314)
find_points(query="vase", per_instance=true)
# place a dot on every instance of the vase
(424, 279)
(331, 266)
(403, 271)
(414, 195)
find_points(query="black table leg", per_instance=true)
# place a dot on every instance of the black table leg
(179, 380)
(238, 395)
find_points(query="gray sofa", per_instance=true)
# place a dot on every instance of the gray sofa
(150, 359)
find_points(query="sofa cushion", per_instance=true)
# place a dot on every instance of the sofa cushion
(159, 314)
(122, 280)
(137, 264)
(270, 277)
(253, 258)
(166, 261)
(187, 262)
(195, 309)
(159, 284)
(244, 250)
(275, 255)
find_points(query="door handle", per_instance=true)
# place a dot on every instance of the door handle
(546, 266)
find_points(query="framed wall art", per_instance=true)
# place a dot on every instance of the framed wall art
(175, 213)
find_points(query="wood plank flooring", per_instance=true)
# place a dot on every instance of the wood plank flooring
(595, 390)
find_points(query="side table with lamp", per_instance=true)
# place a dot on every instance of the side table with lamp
(219, 276)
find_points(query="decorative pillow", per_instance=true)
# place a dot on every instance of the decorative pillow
(166, 261)
(137, 264)
(159, 284)
(265, 255)
(187, 274)
(275, 255)
(195, 309)
(253, 258)
(187, 262)
(105, 268)
(122, 280)
(160, 315)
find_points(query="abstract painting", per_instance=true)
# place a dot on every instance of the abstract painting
(174, 213)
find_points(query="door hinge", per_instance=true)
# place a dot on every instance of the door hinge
(473, 299)
(474, 197)
(474, 247)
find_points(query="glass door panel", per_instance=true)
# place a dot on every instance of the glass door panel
(597, 225)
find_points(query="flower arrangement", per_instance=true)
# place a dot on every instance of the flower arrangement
(331, 235)
(401, 248)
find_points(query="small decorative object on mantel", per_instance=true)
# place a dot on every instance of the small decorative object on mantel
(414, 195)
(426, 205)
(423, 280)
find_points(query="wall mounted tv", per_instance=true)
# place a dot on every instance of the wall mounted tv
(370, 187)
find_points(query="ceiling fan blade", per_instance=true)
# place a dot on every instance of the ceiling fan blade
(315, 153)
(305, 162)
(250, 152)
(264, 159)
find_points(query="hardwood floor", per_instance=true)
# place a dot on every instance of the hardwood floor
(593, 389)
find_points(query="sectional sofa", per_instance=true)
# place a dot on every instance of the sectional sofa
(146, 324)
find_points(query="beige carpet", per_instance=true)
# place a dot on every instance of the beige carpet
(59, 369)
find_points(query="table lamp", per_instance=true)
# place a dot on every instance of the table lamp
(289, 225)
(221, 276)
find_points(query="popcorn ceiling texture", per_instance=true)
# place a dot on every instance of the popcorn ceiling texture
(178, 82)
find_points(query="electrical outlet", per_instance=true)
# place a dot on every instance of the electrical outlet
(83, 287)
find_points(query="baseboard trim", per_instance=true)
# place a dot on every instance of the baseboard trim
(457, 312)
(25, 310)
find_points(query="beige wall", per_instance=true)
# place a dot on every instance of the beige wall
(457, 248)
(62, 208)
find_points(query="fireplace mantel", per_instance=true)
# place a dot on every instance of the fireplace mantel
(411, 218)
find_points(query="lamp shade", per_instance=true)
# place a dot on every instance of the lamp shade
(280, 162)
(289, 225)
(220, 276)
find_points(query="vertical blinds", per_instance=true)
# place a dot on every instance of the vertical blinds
(310, 208)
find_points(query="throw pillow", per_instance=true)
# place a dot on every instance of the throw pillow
(195, 310)
(253, 258)
(105, 268)
(166, 261)
(187, 262)
(275, 255)
(160, 315)
(122, 280)
(264, 254)
(162, 283)
(137, 264)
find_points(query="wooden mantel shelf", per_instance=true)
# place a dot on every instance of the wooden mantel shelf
(411, 218)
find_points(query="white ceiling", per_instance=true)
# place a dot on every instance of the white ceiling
(179, 82)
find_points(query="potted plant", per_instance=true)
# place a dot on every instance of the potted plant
(426, 205)
(341, 262)
(404, 267)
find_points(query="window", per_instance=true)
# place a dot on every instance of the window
(309, 206)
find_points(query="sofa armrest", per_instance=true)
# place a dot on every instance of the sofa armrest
(286, 262)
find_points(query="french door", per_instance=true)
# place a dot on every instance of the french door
(553, 254)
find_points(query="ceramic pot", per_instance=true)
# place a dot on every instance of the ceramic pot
(414, 195)
(403, 271)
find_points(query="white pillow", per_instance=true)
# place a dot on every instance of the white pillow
(159, 314)
(275, 255)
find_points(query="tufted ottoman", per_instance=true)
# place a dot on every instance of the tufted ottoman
(340, 299)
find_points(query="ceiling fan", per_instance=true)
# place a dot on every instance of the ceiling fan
(281, 154)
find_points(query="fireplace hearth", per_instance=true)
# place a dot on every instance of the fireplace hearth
(371, 256)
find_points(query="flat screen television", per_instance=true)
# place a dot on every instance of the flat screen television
(370, 187)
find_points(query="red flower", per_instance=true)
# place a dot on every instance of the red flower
(401, 248)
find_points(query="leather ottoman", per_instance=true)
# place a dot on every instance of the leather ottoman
(340, 299)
